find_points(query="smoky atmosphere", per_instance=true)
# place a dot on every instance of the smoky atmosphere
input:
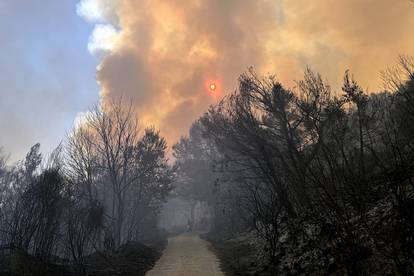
(206, 137)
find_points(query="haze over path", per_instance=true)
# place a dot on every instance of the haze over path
(187, 255)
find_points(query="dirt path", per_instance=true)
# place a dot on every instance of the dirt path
(187, 255)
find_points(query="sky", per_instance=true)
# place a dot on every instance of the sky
(61, 57)
(47, 74)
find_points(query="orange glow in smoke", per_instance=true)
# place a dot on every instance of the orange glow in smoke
(213, 88)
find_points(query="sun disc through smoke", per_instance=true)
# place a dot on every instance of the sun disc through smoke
(213, 87)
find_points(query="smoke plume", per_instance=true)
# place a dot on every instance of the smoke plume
(164, 54)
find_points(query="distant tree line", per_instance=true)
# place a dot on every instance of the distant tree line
(323, 179)
(101, 189)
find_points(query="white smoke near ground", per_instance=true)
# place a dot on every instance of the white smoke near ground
(163, 54)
